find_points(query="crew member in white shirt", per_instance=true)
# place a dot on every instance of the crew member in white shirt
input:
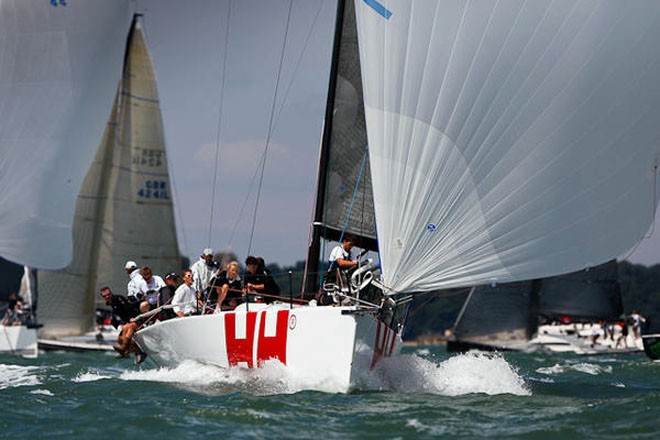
(185, 298)
(137, 287)
(202, 270)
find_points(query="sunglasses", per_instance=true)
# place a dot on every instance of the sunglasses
(187, 276)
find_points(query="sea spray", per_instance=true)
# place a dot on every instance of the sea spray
(18, 376)
(462, 374)
(272, 378)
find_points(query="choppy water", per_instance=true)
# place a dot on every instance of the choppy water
(427, 393)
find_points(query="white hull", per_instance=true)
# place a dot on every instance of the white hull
(579, 339)
(92, 341)
(18, 340)
(334, 344)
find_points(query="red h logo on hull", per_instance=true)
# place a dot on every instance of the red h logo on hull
(267, 347)
(384, 344)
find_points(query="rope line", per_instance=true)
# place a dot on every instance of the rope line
(270, 128)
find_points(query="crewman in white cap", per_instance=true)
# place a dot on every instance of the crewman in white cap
(202, 270)
(136, 287)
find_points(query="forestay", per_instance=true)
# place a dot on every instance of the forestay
(509, 140)
(59, 69)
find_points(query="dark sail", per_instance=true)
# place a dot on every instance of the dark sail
(500, 317)
(508, 314)
(344, 200)
(588, 295)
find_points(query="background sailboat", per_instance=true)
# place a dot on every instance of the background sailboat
(124, 209)
(519, 316)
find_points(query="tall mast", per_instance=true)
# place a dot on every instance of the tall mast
(314, 251)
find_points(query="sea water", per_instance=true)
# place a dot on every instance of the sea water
(425, 393)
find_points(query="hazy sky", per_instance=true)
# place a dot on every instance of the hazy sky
(187, 43)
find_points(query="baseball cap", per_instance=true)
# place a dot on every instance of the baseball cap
(171, 275)
(130, 265)
(207, 251)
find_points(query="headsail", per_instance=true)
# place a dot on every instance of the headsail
(509, 140)
(59, 70)
(124, 209)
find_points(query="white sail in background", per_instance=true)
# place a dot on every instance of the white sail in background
(59, 67)
(124, 209)
(509, 140)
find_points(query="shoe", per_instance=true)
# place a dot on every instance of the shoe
(118, 348)
(121, 355)
(140, 357)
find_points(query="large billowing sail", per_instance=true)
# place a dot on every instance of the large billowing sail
(124, 209)
(59, 67)
(509, 140)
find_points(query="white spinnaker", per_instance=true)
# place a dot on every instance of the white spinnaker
(509, 140)
(59, 68)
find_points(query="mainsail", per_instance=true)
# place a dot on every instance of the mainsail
(587, 295)
(59, 71)
(509, 140)
(344, 200)
(501, 317)
(124, 209)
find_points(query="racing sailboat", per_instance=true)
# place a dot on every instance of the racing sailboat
(124, 211)
(506, 140)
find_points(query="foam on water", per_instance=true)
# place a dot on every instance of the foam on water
(12, 376)
(90, 376)
(467, 373)
(581, 367)
(462, 374)
(272, 378)
(42, 392)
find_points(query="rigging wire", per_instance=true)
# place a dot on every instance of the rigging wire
(270, 128)
(297, 66)
(355, 193)
(217, 141)
(433, 295)
(245, 200)
(276, 120)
